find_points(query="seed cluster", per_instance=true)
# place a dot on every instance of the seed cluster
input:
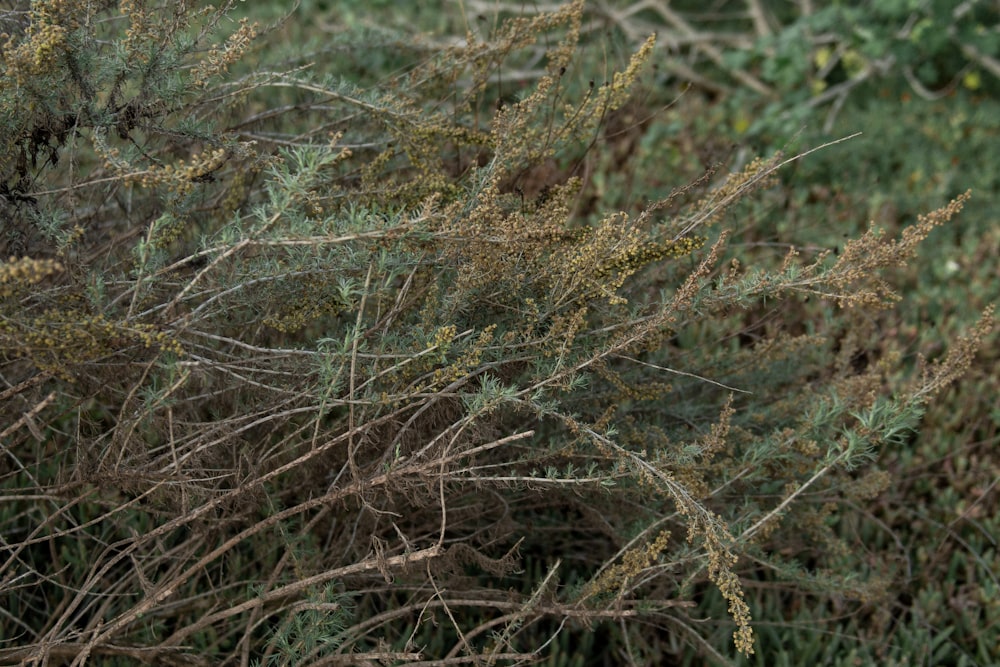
(57, 339)
(18, 274)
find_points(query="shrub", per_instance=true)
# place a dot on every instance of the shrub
(299, 371)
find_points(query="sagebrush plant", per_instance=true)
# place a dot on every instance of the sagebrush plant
(299, 372)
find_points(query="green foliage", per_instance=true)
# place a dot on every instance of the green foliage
(779, 63)
(312, 630)
(307, 360)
